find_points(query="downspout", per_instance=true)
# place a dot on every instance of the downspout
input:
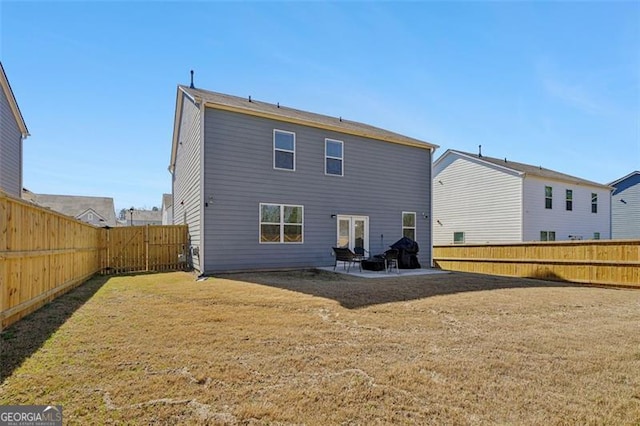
(431, 151)
(202, 189)
(611, 213)
(522, 178)
(23, 136)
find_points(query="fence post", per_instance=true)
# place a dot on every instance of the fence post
(146, 248)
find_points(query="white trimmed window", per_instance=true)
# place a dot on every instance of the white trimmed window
(409, 225)
(333, 157)
(284, 150)
(596, 235)
(547, 235)
(569, 200)
(594, 202)
(458, 238)
(281, 223)
(548, 197)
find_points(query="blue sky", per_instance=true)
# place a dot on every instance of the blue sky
(545, 83)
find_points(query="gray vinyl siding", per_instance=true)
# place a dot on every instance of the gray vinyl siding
(186, 176)
(10, 150)
(381, 180)
(625, 208)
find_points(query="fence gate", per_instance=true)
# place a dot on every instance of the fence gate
(146, 248)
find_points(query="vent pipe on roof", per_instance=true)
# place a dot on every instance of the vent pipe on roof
(479, 150)
(249, 98)
(191, 85)
(278, 104)
(341, 118)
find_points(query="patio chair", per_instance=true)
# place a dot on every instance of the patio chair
(345, 255)
(391, 260)
(361, 251)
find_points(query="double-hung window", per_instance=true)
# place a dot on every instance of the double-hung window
(284, 150)
(333, 157)
(569, 200)
(547, 235)
(548, 197)
(409, 225)
(281, 223)
(594, 202)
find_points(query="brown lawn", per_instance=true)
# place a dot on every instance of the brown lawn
(318, 348)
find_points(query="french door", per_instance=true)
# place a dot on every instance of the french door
(353, 232)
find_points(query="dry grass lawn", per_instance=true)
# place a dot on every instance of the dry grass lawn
(317, 348)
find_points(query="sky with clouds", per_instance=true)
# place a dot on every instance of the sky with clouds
(555, 84)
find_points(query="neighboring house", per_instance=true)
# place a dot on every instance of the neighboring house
(263, 186)
(478, 199)
(625, 206)
(167, 209)
(98, 211)
(13, 131)
(144, 217)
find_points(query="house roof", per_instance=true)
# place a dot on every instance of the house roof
(76, 206)
(147, 216)
(279, 112)
(13, 104)
(526, 169)
(617, 181)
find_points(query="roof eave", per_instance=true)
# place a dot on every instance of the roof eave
(308, 123)
(13, 104)
(176, 128)
(617, 181)
(470, 157)
(576, 181)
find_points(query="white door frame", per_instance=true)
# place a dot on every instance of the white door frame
(352, 230)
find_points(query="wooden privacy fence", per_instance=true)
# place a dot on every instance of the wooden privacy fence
(44, 254)
(610, 262)
(145, 248)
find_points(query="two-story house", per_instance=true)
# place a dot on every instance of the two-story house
(263, 186)
(479, 199)
(625, 206)
(97, 211)
(13, 131)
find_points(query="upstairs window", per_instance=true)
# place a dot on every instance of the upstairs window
(333, 157)
(569, 200)
(547, 235)
(594, 202)
(284, 150)
(409, 225)
(281, 223)
(548, 197)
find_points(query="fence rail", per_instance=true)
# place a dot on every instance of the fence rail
(44, 254)
(609, 262)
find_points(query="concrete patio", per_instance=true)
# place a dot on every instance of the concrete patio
(354, 271)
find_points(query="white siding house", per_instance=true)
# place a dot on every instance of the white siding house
(13, 131)
(478, 199)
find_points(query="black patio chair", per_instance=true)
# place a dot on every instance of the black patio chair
(361, 251)
(345, 255)
(391, 260)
